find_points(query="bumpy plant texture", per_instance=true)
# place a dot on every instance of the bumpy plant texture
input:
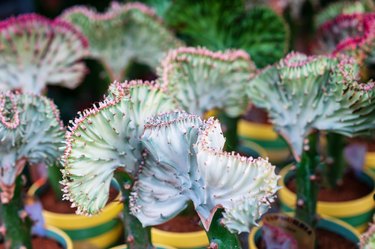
(220, 25)
(186, 162)
(202, 80)
(347, 33)
(368, 238)
(304, 93)
(35, 51)
(30, 130)
(338, 8)
(125, 33)
(107, 137)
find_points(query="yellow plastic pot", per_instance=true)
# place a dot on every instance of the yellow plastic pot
(263, 135)
(158, 246)
(99, 231)
(327, 223)
(370, 161)
(179, 240)
(357, 212)
(59, 236)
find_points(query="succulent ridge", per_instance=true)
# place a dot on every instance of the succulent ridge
(322, 93)
(14, 120)
(202, 80)
(107, 137)
(36, 51)
(184, 161)
(124, 33)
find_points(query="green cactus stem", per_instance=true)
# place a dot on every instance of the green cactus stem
(15, 221)
(219, 236)
(36, 51)
(54, 178)
(184, 161)
(335, 164)
(136, 236)
(124, 33)
(307, 190)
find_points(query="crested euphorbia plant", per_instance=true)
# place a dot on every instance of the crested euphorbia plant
(30, 132)
(368, 238)
(202, 80)
(36, 51)
(184, 161)
(106, 138)
(123, 34)
(305, 95)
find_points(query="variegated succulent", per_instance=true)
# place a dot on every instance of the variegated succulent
(303, 94)
(184, 161)
(30, 130)
(335, 9)
(36, 51)
(202, 80)
(107, 137)
(125, 33)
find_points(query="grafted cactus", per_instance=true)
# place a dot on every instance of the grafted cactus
(185, 162)
(303, 94)
(125, 33)
(202, 80)
(36, 51)
(335, 9)
(105, 138)
(30, 131)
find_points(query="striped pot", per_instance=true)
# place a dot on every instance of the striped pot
(99, 231)
(357, 212)
(157, 246)
(254, 134)
(59, 236)
(180, 240)
(370, 161)
(330, 224)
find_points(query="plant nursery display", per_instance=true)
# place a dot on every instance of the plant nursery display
(187, 124)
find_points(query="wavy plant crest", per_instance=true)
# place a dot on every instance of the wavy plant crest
(202, 80)
(36, 51)
(30, 130)
(303, 94)
(125, 33)
(368, 238)
(107, 137)
(185, 162)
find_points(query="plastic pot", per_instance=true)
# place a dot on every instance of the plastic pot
(180, 240)
(357, 212)
(59, 236)
(100, 231)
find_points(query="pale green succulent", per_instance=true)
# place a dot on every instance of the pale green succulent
(36, 51)
(202, 80)
(184, 161)
(30, 129)
(125, 33)
(303, 94)
(107, 137)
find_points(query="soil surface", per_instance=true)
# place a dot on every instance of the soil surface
(42, 243)
(369, 143)
(325, 240)
(257, 115)
(181, 224)
(50, 203)
(351, 189)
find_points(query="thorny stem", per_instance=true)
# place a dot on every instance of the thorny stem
(54, 178)
(17, 223)
(136, 236)
(307, 186)
(219, 236)
(335, 167)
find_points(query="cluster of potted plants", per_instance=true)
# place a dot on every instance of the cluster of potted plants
(235, 143)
